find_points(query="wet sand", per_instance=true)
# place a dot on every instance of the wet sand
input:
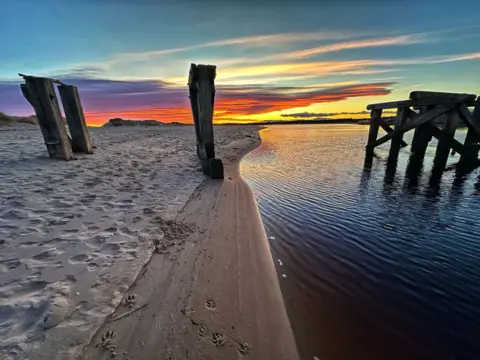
(219, 297)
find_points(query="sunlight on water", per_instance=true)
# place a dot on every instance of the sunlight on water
(378, 263)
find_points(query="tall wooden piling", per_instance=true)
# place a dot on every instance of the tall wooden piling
(421, 136)
(75, 118)
(40, 93)
(472, 140)
(397, 139)
(445, 142)
(201, 83)
(375, 115)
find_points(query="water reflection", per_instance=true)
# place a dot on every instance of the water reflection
(381, 256)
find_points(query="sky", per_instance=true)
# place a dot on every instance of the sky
(276, 60)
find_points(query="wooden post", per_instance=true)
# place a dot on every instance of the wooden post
(421, 136)
(202, 98)
(397, 139)
(40, 93)
(375, 115)
(75, 118)
(445, 142)
(472, 140)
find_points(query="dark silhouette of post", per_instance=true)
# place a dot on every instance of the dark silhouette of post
(201, 83)
(40, 93)
(472, 140)
(75, 118)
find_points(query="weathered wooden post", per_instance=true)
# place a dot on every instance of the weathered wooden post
(445, 142)
(397, 139)
(75, 118)
(472, 140)
(375, 115)
(40, 93)
(201, 83)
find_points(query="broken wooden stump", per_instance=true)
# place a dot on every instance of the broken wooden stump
(201, 84)
(436, 109)
(75, 118)
(40, 93)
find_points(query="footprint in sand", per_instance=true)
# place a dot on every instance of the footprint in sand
(47, 255)
(210, 304)
(82, 258)
(218, 339)
(242, 347)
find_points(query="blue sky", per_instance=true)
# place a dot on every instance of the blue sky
(141, 51)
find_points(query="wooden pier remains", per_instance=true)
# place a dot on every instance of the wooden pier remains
(73, 109)
(437, 115)
(40, 93)
(201, 84)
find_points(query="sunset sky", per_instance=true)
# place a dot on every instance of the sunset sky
(276, 60)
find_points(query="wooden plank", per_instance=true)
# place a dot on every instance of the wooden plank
(388, 129)
(375, 115)
(415, 95)
(472, 140)
(467, 99)
(445, 142)
(409, 125)
(42, 96)
(72, 106)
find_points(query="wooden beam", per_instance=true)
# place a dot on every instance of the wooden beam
(409, 125)
(41, 95)
(445, 142)
(375, 115)
(388, 129)
(469, 100)
(75, 119)
(439, 135)
(457, 97)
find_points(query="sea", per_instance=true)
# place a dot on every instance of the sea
(376, 260)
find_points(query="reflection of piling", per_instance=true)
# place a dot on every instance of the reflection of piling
(433, 106)
(40, 93)
(202, 98)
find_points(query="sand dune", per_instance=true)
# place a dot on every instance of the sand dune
(75, 235)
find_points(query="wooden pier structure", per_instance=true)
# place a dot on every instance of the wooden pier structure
(429, 114)
(201, 84)
(40, 93)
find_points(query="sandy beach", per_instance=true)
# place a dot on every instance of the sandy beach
(135, 225)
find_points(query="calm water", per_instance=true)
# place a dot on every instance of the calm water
(378, 264)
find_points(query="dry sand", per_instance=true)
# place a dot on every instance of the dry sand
(75, 236)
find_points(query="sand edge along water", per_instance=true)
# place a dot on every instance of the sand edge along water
(220, 297)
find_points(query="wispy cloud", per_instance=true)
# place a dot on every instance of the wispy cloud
(379, 42)
(251, 41)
